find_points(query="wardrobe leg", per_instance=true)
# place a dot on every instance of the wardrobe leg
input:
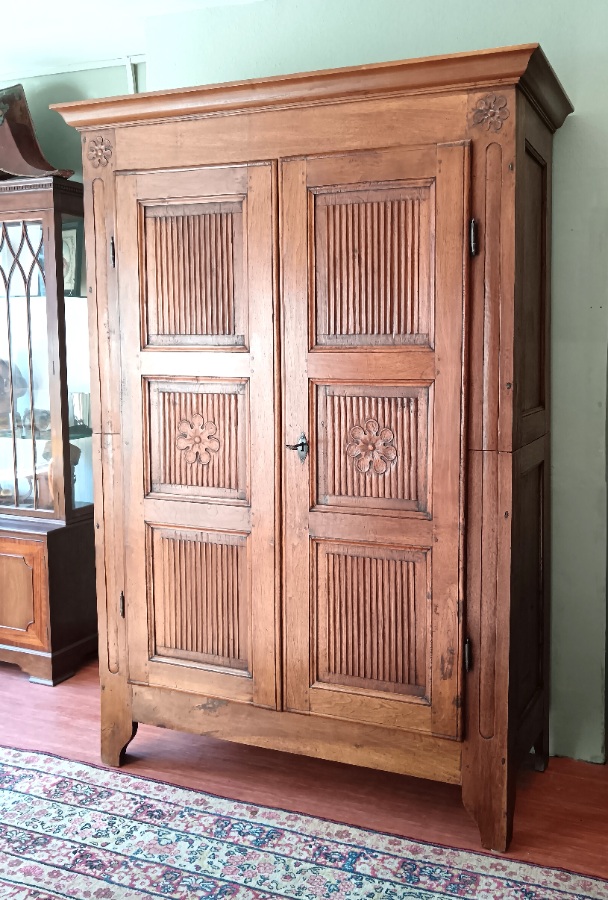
(488, 795)
(117, 727)
(540, 749)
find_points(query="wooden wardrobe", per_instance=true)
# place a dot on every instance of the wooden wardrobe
(320, 338)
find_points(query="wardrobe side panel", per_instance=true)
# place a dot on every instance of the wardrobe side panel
(530, 588)
(531, 370)
(528, 669)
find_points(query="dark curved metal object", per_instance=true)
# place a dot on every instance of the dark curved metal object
(20, 153)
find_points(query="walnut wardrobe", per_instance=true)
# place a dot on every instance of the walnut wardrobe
(319, 309)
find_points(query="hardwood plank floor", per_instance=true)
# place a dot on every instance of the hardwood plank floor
(561, 817)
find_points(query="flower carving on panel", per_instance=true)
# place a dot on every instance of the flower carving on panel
(371, 447)
(196, 440)
(491, 109)
(99, 152)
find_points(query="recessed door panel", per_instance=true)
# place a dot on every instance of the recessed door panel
(372, 446)
(372, 611)
(197, 438)
(23, 600)
(199, 597)
(373, 273)
(198, 406)
(373, 258)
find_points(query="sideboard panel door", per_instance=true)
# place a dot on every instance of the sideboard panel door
(373, 306)
(196, 300)
(23, 598)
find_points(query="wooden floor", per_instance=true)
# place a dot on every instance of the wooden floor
(561, 818)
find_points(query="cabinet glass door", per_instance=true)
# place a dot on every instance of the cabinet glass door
(77, 361)
(26, 471)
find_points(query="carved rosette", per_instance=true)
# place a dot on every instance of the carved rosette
(371, 447)
(491, 111)
(196, 440)
(99, 152)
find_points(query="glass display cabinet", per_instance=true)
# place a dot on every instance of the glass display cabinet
(47, 575)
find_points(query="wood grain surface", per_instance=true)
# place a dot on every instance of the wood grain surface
(293, 258)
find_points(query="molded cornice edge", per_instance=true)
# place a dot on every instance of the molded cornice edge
(524, 65)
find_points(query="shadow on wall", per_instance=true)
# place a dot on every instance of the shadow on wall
(60, 143)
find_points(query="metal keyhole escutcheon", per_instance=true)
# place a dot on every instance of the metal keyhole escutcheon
(301, 447)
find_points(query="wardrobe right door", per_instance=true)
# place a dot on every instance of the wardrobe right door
(373, 289)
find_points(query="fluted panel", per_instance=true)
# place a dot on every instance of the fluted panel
(201, 613)
(374, 272)
(219, 409)
(192, 271)
(373, 617)
(373, 445)
(197, 438)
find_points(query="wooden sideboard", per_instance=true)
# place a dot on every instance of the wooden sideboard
(321, 410)
(48, 618)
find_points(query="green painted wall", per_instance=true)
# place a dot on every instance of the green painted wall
(279, 36)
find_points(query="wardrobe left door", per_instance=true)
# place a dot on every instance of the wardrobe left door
(195, 268)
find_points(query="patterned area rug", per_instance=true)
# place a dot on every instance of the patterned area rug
(69, 830)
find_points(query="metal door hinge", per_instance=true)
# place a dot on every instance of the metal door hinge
(112, 252)
(122, 605)
(468, 655)
(473, 238)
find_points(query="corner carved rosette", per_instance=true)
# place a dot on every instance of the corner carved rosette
(99, 152)
(371, 447)
(492, 111)
(196, 440)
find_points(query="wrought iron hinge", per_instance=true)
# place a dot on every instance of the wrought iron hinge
(473, 238)
(122, 604)
(468, 655)
(112, 252)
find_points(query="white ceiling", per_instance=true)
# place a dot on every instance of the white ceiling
(67, 35)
